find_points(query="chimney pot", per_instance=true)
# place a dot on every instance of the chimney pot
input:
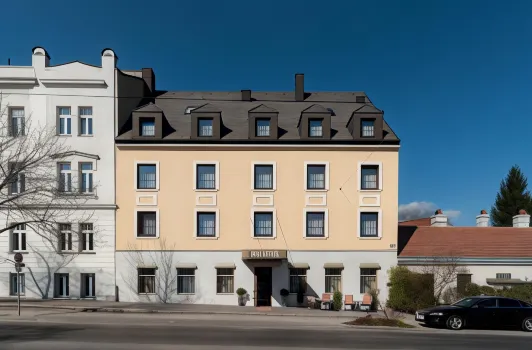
(522, 212)
(438, 212)
(483, 212)
(246, 95)
(300, 87)
(522, 219)
(483, 219)
(438, 219)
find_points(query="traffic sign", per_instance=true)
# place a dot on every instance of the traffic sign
(18, 257)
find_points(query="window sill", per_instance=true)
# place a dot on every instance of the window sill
(186, 293)
(86, 135)
(316, 190)
(144, 237)
(62, 298)
(206, 190)
(68, 252)
(369, 238)
(225, 293)
(315, 237)
(19, 251)
(267, 237)
(146, 294)
(264, 190)
(206, 238)
(147, 189)
(87, 252)
(64, 135)
(87, 298)
(366, 190)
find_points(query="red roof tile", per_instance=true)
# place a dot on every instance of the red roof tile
(416, 222)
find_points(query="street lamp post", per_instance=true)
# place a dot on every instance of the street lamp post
(18, 267)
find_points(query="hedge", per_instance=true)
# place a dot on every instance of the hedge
(409, 291)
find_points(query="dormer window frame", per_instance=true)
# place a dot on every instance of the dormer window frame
(313, 113)
(202, 113)
(205, 131)
(147, 132)
(362, 128)
(319, 132)
(262, 119)
(147, 112)
(263, 112)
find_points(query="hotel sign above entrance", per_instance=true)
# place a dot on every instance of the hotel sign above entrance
(263, 254)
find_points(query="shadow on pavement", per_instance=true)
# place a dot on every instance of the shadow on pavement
(21, 333)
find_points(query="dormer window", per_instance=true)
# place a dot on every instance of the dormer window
(368, 128)
(315, 128)
(147, 126)
(262, 127)
(205, 127)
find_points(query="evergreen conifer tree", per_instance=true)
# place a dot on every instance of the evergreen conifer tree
(513, 196)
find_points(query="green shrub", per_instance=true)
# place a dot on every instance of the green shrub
(241, 292)
(337, 300)
(409, 291)
(374, 300)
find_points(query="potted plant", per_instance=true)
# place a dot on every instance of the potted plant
(242, 296)
(284, 296)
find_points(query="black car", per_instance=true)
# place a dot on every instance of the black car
(480, 312)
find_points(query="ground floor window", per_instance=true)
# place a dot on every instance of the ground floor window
(146, 279)
(462, 280)
(186, 281)
(298, 280)
(333, 280)
(225, 280)
(62, 288)
(15, 284)
(88, 285)
(368, 280)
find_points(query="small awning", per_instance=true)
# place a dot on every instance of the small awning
(333, 266)
(502, 282)
(300, 266)
(186, 266)
(370, 266)
(225, 266)
(146, 266)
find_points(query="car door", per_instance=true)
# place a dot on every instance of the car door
(508, 312)
(482, 314)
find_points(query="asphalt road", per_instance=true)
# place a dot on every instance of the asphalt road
(195, 333)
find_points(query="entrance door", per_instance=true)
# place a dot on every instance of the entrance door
(263, 286)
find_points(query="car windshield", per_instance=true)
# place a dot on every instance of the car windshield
(466, 302)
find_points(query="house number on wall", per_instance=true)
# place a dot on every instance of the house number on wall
(392, 245)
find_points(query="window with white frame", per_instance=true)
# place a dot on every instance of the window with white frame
(206, 224)
(205, 127)
(316, 176)
(65, 121)
(298, 280)
(146, 176)
(186, 281)
(369, 224)
(315, 224)
(65, 237)
(18, 238)
(315, 128)
(85, 121)
(263, 224)
(18, 179)
(263, 176)
(65, 177)
(88, 285)
(503, 276)
(62, 285)
(225, 280)
(333, 280)
(146, 224)
(369, 177)
(262, 127)
(368, 280)
(147, 126)
(17, 121)
(17, 282)
(205, 176)
(87, 236)
(86, 177)
(146, 280)
(368, 127)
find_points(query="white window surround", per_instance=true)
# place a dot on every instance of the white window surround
(212, 197)
(153, 198)
(217, 222)
(157, 221)
(274, 187)
(326, 223)
(326, 176)
(157, 171)
(359, 177)
(256, 200)
(217, 175)
(323, 198)
(379, 222)
(377, 198)
(274, 221)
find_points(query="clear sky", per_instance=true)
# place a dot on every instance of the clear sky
(453, 77)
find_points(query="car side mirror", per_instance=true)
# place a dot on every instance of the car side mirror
(475, 307)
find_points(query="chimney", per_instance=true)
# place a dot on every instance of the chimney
(40, 58)
(522, 219)
(246, 95)
(438, 219)
(300, 87)
(483, 219)
(149, 79)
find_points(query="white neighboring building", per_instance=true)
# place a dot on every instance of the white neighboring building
(77, 99)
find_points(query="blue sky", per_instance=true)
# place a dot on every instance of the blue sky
(453, 77)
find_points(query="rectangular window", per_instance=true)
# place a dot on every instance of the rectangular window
(316, 177)
(65, 237)
(146, 279)
(263, 224)
(206, 176)
(333, 280)
(62, 288)
(369, 224)
(315, 224)
(315, 127)
(86, 177)
(186, 281)
(298, 280)
(368, 128)
(87, 237)
(206, 224)
(503, 276)
(205, 127)
(263, 177)
(85, 121)
(225, 280)
(65, 121)
(262, 127)
(17, 179)
(368, 280)
(147, 126)
(15, 284)
(65, 177)
(369, 177)
(462, 281)
(88, 285)
(18, 238)
(146, 176)
(146, 224)
(17, 122)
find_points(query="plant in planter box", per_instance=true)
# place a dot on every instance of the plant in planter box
(284, 295)
(337, 300)
(242, 296)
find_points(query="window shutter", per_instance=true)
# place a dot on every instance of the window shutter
(93, 276)
(23, 241)
(13, 240)
(22, 126)
(83, 237)
(67, 285)
(22, 183)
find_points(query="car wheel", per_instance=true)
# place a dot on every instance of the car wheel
(527, 324)
(456, 323)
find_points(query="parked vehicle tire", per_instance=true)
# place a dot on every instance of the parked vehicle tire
(527, 324)
(455, 323)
